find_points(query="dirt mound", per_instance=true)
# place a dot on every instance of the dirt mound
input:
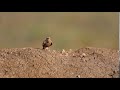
(36, 63)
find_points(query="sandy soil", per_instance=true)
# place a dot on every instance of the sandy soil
(36, 63)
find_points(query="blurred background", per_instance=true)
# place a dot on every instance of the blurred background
(68, 30)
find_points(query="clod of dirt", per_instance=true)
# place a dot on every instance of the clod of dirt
(36, 63)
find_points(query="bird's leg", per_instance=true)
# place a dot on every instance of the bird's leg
(46, 48)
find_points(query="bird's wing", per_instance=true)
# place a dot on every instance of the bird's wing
(51, 43)
(43, 42)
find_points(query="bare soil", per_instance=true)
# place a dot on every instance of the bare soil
(86, 62)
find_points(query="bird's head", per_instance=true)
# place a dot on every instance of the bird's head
(48, 38)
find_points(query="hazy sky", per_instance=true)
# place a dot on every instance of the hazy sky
(91, 29)
(119, 30)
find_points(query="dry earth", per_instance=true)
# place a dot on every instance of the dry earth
(36, 63)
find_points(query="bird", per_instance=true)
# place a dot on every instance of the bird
(47, 43)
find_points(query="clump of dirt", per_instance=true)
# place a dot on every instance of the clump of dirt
(36, 63)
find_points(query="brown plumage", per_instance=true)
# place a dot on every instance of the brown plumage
(47, 43)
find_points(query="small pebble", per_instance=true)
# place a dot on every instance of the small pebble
(78, 76)
(83, 55)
